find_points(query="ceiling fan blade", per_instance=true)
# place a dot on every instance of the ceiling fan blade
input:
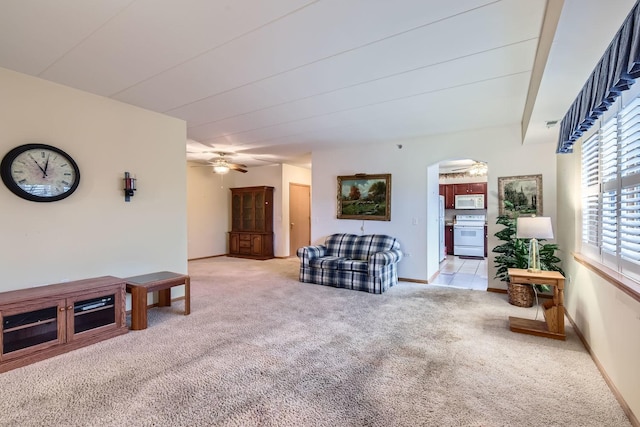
(239, 168)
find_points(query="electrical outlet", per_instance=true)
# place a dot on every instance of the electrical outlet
(415, 221)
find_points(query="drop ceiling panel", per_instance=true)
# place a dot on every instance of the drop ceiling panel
(494, 64)
(315, 33)
(428, 114)
(35, 34)
(387, 58)
(124, 52)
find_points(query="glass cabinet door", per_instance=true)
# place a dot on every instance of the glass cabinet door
(93, 312)
(247, 212)
(259, 211)
(33, 328)
(236, 212)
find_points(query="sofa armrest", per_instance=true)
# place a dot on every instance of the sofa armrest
(307, 253)
(380, 259)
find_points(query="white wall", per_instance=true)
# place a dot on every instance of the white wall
(93, 232)
(209, 201)
(608, 318)
(208, 209)
(412, 186)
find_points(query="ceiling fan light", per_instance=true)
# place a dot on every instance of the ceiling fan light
(478, 169)
(220, 168)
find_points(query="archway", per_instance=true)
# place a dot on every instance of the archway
(462, 224)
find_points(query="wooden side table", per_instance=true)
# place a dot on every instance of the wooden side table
(553, 326)
(162, 282)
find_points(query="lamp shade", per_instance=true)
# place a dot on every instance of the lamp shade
(535, 227)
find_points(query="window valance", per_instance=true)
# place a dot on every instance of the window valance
(615, 72)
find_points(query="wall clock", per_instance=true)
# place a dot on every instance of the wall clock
(40, 173)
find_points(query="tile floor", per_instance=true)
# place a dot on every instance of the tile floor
(463, 273)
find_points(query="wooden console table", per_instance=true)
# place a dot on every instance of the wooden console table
(162, 282)
(553, 310)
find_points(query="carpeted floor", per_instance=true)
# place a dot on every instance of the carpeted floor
(262, 349)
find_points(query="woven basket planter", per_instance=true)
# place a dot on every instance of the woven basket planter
(520, 295)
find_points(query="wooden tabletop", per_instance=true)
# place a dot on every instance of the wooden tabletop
(521, 272)
(154, 277)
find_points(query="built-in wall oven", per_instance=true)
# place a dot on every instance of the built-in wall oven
(468, 235)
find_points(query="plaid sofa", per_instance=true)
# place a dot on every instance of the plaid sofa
(364, 263)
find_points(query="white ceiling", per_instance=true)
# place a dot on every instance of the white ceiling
(274, 80)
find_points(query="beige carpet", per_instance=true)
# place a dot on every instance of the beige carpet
(262, 349)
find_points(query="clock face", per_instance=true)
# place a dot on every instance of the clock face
(40, 173)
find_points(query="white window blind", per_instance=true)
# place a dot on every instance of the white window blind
(610, 167)
(590, 192)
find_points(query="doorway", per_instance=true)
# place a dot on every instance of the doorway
(460, 269)
(299, 217)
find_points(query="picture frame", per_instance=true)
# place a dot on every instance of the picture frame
(365, 197)
(520, 195)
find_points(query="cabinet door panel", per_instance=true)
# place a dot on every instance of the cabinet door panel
(92, 312)
(247, 212)
(234, 243)
(236, 212)
(32, 328)
(448, 239)
(256, 244)
(477, 188)
(259, 211)
(449, 197)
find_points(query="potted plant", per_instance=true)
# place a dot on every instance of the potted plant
(514, 253)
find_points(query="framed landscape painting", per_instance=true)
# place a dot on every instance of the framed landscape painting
(520, 195)
(364, 197)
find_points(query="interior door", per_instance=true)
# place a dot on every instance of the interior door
(299, 217)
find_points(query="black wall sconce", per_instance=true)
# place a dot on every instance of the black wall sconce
(129, 186)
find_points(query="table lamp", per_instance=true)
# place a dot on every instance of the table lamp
(534, 228)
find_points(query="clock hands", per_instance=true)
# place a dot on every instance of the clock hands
(46, 165)
(44, 170)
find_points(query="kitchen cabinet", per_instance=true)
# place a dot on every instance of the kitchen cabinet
(447, 191)
(470, 188)
(448, 239)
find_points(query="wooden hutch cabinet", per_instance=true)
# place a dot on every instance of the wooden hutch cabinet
(251, 234)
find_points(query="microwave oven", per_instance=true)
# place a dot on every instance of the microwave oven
(469, 201)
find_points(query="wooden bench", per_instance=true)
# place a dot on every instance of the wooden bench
(163, 281)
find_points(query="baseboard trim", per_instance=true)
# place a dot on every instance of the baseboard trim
(497, 290)
(206, 257)
(404, 279)
(625, 407)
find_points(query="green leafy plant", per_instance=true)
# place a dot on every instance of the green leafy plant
(514, 253)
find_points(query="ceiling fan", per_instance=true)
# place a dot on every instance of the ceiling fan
(475, 169)
(222, 165)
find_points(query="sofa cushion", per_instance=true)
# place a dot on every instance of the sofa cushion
(356, 247)
(368, 245)
(353, 265)
(327, 262)
(341, 245)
